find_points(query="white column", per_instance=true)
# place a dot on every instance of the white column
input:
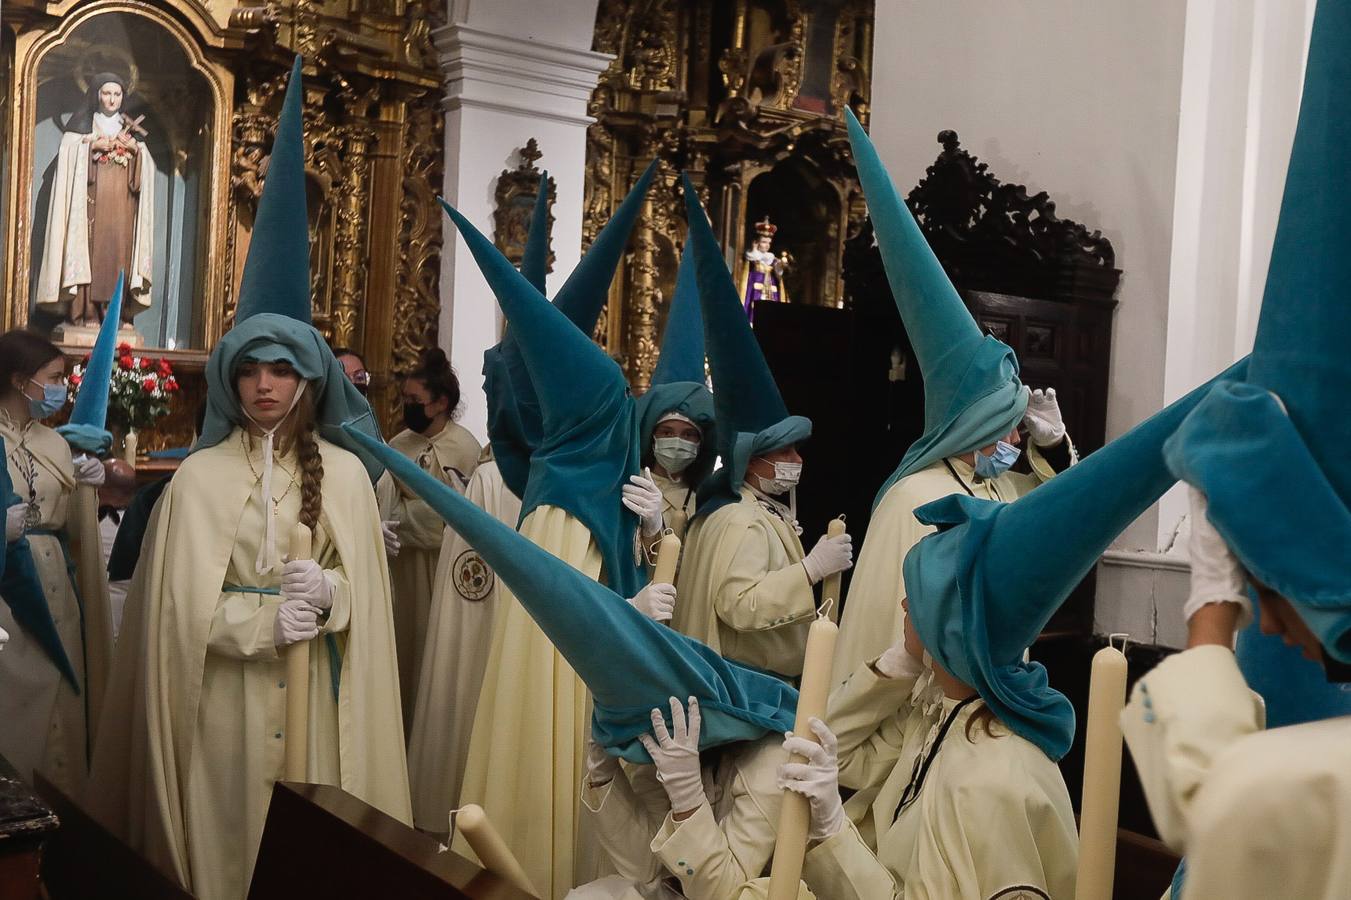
(502, 90)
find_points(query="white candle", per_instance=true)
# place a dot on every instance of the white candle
(830, 588)
(493, 852)
(668, 554)
(298, 681)
(785, 872)
(1102, 776)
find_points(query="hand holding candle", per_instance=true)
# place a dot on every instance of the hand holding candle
(785, 872)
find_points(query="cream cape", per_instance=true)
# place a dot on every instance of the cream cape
(1258, 813)
(47, 725)
(465, 601)
(65, 255)
(742, 590)
(872, 620)
(992, 813)
(526, 756)
(450, 457)
(146, 755)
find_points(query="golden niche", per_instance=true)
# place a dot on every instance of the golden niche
(201, 84)
(748, 97)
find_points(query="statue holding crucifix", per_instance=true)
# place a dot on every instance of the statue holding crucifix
(101, 220)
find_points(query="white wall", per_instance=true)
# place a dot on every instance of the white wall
(1164, 123)
(514, 69)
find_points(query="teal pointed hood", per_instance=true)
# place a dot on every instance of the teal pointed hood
(87, 428)
(21, 588)
(277, 268)
(641, 664)
(513, 413)
(1269, 452)
(535, 259)
(272, 320)
(984, 586)
(588, 445)
(751, 416)
(678, 380)
(972, 395)
(515, 421)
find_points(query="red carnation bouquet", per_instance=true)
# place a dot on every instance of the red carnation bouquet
(139, 392)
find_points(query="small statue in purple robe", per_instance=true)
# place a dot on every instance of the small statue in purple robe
(762, 275)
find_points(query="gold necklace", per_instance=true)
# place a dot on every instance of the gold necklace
(258, 476)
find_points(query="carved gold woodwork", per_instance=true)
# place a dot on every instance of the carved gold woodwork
(514, 206)
(374, 147)
(735, 95)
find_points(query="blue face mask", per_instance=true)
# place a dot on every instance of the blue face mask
(53, 398)
(999, 462)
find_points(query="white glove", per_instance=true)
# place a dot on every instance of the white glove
(656, 601)
(1217, 576)
(392, 543)
(303, 580)
(676, 756)
(4, 638)
(601, 767)
(830, 555)
(1045, 424)
(897, 662)
(296, 621)
(89, 471)
(818, 779)
(643, 498)
(14, 519)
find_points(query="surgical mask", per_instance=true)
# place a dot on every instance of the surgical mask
(999, 462)
(53, 398)
(786, 477)
(674, 454)
(415, 417)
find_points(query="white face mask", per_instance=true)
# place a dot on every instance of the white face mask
(674, 454)
(786, 477)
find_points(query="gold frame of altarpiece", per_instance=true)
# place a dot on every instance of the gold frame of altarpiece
(374, 155)
(31, 47)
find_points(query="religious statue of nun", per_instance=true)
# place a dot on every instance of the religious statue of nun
(101, 219)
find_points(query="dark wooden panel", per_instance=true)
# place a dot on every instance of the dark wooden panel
(320, 841)
(84, 860)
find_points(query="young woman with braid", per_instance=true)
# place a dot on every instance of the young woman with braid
(193, 734)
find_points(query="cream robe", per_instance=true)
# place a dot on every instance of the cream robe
(993, 812)
(1259, 814)
(872, 619)
(728, 840)
(46, 725)
(526, 757)
(450, 457)
(742, 589)
(677, 506)
(455, 657)
(193, 733)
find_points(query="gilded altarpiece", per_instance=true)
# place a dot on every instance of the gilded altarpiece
(748, 97)
(206, 79)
